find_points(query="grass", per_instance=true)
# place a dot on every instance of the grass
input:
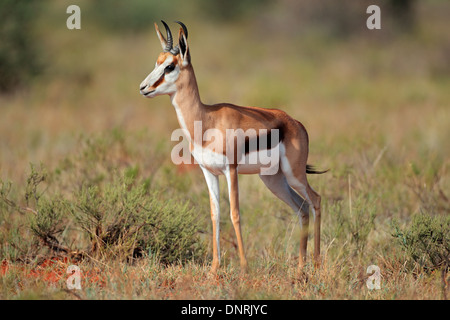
(376, 109)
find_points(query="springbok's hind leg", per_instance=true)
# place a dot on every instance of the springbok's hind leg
(298, 181)
(313, 199)
(279, 186)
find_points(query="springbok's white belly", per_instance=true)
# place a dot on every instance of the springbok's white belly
(256, 162)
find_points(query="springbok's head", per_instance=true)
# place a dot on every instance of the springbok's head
(169, 65)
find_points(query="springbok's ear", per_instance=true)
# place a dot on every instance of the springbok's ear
(161, 37)
(184, 48)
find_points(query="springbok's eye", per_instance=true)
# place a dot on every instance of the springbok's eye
(169, 68)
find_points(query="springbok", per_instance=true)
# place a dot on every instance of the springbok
(174, 75)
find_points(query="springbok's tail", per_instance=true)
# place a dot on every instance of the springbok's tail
(311, 170)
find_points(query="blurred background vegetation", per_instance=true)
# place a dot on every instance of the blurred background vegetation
(25, 24)
(375, 103)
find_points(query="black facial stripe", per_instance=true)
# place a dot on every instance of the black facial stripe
(158, 82)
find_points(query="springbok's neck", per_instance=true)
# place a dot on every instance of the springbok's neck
(186, 100)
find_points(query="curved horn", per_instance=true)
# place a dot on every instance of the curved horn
(169, 37)
(176, 50)
(184, 28)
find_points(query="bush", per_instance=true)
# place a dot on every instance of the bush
(426, 241)
(127, 220)
(119, 216)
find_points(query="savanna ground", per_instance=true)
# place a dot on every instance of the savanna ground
(87, 177)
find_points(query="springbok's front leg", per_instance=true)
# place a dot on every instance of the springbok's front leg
(233, 191)
(213, 187)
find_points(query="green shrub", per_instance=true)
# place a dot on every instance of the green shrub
(119, 216)
(127, 220)
(426, 240)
